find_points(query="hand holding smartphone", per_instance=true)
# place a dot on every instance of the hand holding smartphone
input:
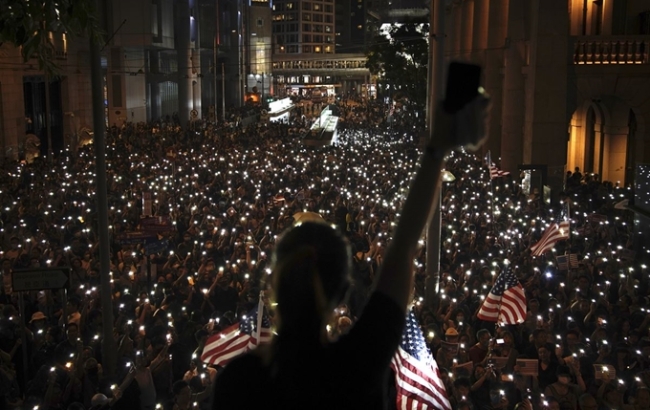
(466, 101)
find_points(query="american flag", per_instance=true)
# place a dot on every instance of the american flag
(506, 302)
(564, 262)
(528, 367)
(237, 339)
(553, 234)
(417, 378)
(495, 172)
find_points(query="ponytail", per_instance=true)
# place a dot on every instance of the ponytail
(298, 288)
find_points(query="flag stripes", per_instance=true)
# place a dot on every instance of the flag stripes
(417, 378)
(553, 234)
(506, 302)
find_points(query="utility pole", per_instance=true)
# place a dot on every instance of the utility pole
(109, 350)
(435, 95)
(214, 72)
(223, 91)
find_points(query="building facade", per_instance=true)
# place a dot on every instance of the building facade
(306, 61)
(22, 98)
(259, 44)
(568, 81)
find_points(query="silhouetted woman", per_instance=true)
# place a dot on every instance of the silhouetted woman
(301, 369)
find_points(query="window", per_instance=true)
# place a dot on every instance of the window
(316, 7)
(328, 19)
(154, 20)
(289, 6)
(260, 22)
(306, 38)
(306, 6)
(293, 49)
(306, 27)
(317, 49)
(318, 18)
(328, 39)
(306, 17)
(318, 39)
(328, 49)
(328, 29)
(306, 49)
(328, 9)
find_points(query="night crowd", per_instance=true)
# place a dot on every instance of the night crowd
(226, 191)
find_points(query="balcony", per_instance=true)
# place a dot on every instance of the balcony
(629, 50)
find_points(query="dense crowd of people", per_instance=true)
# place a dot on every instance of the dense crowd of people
(221, 195)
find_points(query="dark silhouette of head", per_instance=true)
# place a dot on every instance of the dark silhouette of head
(312, 264)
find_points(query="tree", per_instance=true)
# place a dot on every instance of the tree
(399, 57)
(27, 24)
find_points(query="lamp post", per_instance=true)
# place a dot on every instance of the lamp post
(435, 94)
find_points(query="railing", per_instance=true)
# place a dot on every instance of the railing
(321, 64)
(611, 50)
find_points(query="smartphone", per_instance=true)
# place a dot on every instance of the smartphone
(500, 341)
(463, 83)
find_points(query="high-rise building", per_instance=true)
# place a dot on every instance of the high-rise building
(304, 27)
(259, 44)
(306, 61)
(351, 26)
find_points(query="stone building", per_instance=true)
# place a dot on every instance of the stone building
(568, 79)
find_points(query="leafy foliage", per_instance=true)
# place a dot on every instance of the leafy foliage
(28, 23)
(399, 58)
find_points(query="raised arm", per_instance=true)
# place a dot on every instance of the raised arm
(395, 278)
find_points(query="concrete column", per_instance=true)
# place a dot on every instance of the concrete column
(608, 14)
(513, 90)
(480, 30)
(154, 96)
(457, 30)
(547, 103)
(599, 150)
(12, 111)
(467, 27)
(493, 77)
(576, 17)
(183, 60)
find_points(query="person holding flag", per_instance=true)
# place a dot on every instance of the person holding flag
(506, 302)
(301, 367)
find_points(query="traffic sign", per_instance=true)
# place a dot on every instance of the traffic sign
(40, 279)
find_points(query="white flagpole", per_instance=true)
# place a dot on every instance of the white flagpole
(260, 312)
